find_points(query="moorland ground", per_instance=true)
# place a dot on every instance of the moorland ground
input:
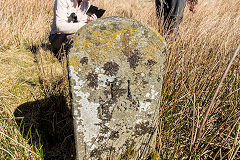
(199, 115)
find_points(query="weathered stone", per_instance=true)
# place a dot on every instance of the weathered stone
(115, 70)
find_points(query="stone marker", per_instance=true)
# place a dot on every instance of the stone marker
(115, 70)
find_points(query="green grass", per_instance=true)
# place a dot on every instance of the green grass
(12, 144)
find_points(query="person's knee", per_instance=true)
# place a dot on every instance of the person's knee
(58, 40)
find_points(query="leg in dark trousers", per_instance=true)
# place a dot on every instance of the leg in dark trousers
(171, 11)
(60, 43)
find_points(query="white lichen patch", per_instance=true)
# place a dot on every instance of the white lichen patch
(139, 121)
(103, 78)
(75, 112)
(147, 95)
(86, 114)
(144, 106)
(154, 93)
(89, 118)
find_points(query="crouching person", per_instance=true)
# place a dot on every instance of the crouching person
(69, 16)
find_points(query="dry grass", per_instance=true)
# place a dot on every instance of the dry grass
(24, 22)
(199, 119)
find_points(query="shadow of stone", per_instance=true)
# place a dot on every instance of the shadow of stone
(52, 120)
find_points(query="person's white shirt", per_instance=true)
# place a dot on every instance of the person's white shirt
(62, 11)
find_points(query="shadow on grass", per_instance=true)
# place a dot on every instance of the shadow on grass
(52, 119)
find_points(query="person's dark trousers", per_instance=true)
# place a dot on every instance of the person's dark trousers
(60, 43)
(171, 11)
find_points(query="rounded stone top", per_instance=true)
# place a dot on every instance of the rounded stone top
(118, 38)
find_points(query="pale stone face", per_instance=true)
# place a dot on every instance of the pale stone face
(115, 70)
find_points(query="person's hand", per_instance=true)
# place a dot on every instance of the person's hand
(192, 5)
(91, 18)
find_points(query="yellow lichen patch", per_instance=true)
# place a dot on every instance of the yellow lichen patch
(121, 32)
(97, 36)
(77, 36)
(87, 44)
(106, 32)
(103, 54)
(133, 42)
(116, 34)
(77, 59)
(108, 42)
(131, 31)
(73, 62)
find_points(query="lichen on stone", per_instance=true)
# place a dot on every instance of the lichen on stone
(115, 69)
